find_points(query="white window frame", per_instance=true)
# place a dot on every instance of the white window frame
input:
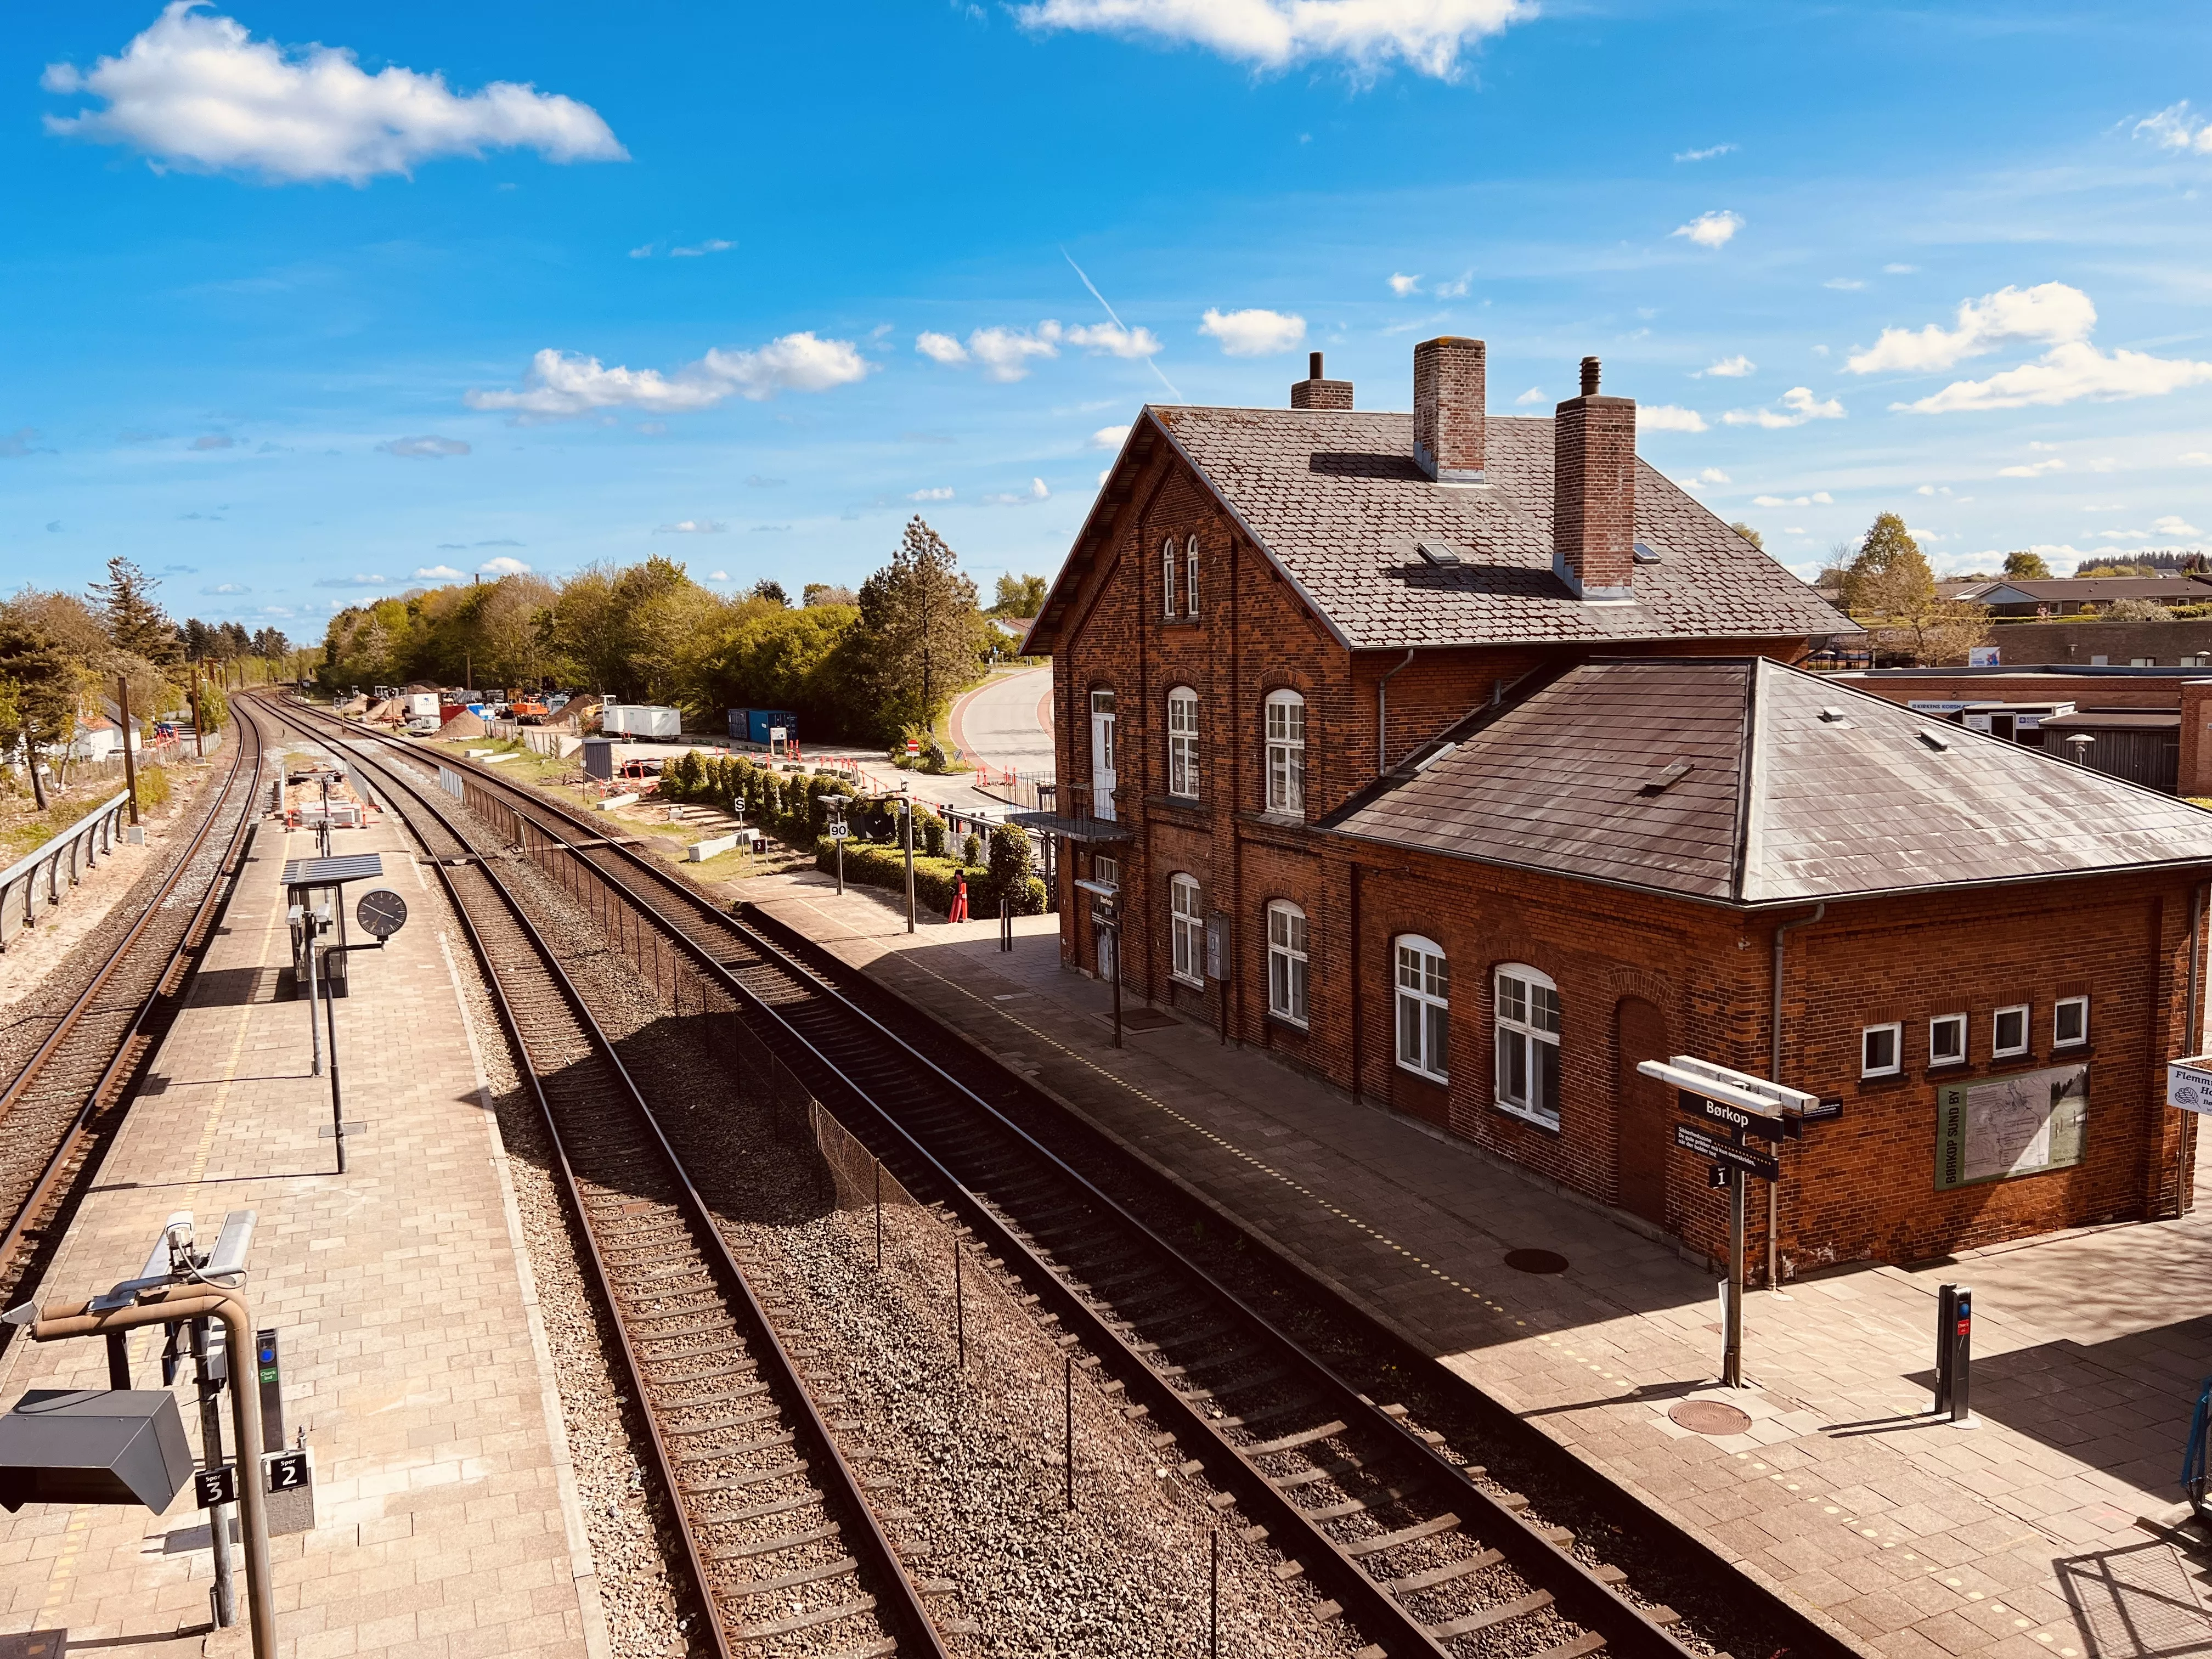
(2058, 1042)
(1895, 1029)
(1523, 1032)
(1182, 743)
(1958, 1022)
(1168, 576)
(1421, 981)
(1997, 1050)
(1290, 969)
(1186, 930)
(1286, 741)
(1190, 577)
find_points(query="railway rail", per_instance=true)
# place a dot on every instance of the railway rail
(1408, 1540)
(781, 1546)
(63, 1104)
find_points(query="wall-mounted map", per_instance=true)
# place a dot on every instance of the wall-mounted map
(1998, 1127)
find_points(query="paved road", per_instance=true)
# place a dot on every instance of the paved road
(1007, 720)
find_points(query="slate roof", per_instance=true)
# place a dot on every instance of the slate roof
(1777, 802)
(2087, 590)
(1334, 497)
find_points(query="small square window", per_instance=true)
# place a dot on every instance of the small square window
(1946, 1039)
(2069, 1022)
(1878, 1047)
(2009, 1032)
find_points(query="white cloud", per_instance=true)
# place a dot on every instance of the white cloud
(1934, 490)
(1036, 492)
(1899, 270)
(1920, 535)
(198, 93)
(2064, 373)
(940, 347)
(1793, 529)
(437, 573)
(1668, 417)
(1703, 155)
(2032, 469)
(214, 440)
(940, 493)
(1728, 368)
(2172, 525)
(2174, 128)
(1254, 332)
(2050, 312)
(235, 587)
(1005, 352)
(1818, 498)
(1799, 406)
(1401, 284)
(560, 386)
(2105, 463)
(1111, 339)
(503, 566)
(691, 528)
(1711, 475)
(428, 447)
(1426, 35)
(644, 252)
(1110, 437)
(1848, 284)
(711, 245)
(2195, 458)
(1710, 229)
(1535, 394)
(2124, 535)
(355, 581)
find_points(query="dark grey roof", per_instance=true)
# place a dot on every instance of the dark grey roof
(1777, 804)
(2081, 589)
(1334, 497)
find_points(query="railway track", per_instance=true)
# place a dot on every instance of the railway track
(780, 1541)
(61, 1107)
(1406, 1538)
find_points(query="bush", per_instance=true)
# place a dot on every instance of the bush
(971, 849)
(873, 865)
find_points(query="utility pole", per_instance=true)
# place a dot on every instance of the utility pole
(129, 755)
(199, 725)
(908, 816)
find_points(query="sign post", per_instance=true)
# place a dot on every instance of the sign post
(1730, 1107)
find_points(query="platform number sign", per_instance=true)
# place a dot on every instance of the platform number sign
(214, 1486)
(288, 1470)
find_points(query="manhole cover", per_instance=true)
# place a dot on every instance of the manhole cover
(1711, 1417)
(1536, 1261)
(1143, 1019)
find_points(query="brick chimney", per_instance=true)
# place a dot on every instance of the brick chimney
(1315, 392)
(1594, 493)
(1447, 409)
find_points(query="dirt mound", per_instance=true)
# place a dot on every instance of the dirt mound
(463, 724)
(391, 711)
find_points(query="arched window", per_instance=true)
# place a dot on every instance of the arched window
(1190, 577)
(1424, 1007)
(1528, 1020)
(1187, 930)
(1166, 577)
(1287, 752)
(1286, 962)
(1182, 743)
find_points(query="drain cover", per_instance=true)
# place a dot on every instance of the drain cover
(1711, 1417)
(1536, 1261)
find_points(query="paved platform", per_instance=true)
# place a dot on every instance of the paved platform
(2051, 1527)
(447, 1524)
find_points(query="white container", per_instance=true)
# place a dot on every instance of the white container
(423, 705)
(613, 801)
(699, 851)
(640, 719)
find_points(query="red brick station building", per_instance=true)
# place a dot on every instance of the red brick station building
(1474, 749)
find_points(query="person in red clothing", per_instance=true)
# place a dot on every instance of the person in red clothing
(959, 912)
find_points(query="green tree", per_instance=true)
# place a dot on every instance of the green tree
(1890, 587)
(2026, 566)
(925, 636)
(1019, 596)
(38, 693)
(135, 622)
(771, 589)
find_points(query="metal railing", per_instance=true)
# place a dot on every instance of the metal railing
(82, 845)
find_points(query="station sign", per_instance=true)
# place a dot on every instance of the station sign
(286, 1470)
(1691, 1139)
(1736, 1118)
(214, 1486)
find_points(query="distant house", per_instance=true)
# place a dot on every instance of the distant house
(2075, 596)
(98, 739)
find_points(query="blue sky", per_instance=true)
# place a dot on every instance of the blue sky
(745, 285)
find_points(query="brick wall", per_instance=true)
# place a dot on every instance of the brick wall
(2164, 643)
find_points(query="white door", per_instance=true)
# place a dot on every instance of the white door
(1102, 754)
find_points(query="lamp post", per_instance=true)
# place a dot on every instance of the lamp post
(906, 819)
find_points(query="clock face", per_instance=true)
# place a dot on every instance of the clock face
(381, 912)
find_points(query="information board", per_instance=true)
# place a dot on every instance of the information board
(2001, 1127)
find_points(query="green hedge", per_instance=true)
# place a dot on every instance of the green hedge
(877, 864)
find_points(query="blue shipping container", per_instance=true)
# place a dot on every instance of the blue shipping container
(755, 725)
